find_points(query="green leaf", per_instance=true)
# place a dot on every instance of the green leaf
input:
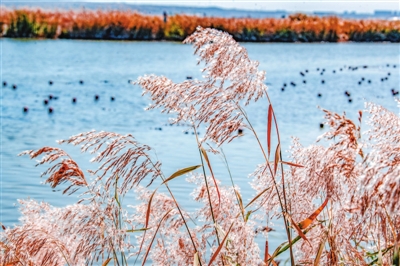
(246, 218)
(281, 249)
(383, 252)
(277, 252)
(396, 257)
(137, 230)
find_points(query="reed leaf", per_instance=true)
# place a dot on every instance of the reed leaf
(376, 253)
(380, 261)
(277, 158)
(181, 172)
(116, 192)
(266, 254)
(298, 229)
(196, 259)
(246, 218)
(149, 209)
(305, 223)
(269, 128)
(256, 197)
(105, 263)
(292, 164)
(203, 151)
(277, 252)
(283, 247)
(240, 203)
(137, 230)
(220, 246)
(320, 249)
(396, 257)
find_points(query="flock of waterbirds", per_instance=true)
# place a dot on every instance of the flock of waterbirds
(303, 74)
(347, 93)
(349, 68)
(50, 97)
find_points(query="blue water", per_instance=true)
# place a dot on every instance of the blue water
(105, 68)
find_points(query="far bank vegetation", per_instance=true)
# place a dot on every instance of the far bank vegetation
(130, 25)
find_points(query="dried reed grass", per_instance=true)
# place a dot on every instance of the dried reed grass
(338, 199)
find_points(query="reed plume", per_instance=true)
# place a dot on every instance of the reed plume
(120, 157)
(230, 79)
(96, 228)
(66, 170)
(354, 174)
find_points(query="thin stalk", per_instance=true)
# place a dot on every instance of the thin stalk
(283, 182)
(205, 180)
(227, 166)
(63, 255)
(177, 206)
(230, 175)
(280, 153)
(115, 256)
(254, 132)
(285, 202)
(183, 218)
(194, 222)
(281, 203)
(288, 232)
(119, 219)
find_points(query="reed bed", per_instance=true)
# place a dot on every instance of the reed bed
(337, 199)
(130, 25)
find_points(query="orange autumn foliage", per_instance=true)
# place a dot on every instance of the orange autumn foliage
(130, 25)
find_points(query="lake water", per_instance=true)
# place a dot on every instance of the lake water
(105, 68)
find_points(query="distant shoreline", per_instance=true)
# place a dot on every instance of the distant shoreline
(130, 25)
